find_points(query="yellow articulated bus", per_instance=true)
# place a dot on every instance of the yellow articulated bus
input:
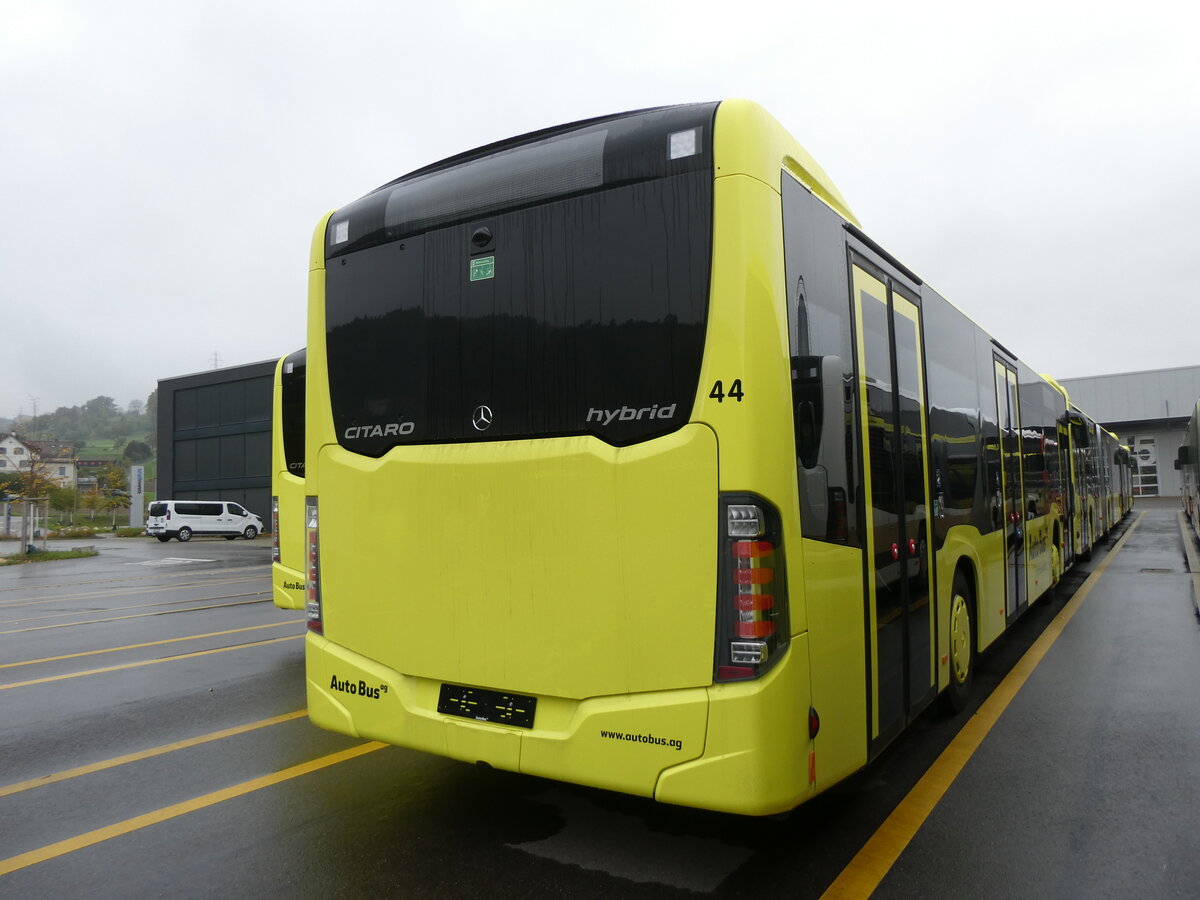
(634, 462)
(287, 483)
(1099, 488)
(1116, 462)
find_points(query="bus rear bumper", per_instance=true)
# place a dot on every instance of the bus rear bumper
(654, 744)
(287, 587)
(758, 759)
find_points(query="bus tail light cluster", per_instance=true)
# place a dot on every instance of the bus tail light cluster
(275, 557)
(312, 550)
(752, 622)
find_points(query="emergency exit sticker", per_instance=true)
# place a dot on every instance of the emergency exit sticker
(483, 268)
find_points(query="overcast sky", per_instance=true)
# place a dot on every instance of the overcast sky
(163, 165)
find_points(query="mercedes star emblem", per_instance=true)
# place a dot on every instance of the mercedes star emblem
(482, 418)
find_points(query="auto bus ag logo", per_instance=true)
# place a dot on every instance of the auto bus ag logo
(358, 689)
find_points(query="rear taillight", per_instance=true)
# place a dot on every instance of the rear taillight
(312, 547)
(275, 557)
(752, 624)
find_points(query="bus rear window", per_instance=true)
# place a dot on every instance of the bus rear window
(581, 314)
(293, 387)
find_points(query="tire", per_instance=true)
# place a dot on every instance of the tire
(163, 537)
(962, 645)
(250, 533)
(185, 534)
(230, 537)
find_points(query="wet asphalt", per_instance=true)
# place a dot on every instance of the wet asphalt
(1085, 787)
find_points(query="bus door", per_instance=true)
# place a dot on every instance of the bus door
(1079, 451)
(1012, 481)
(1065, 464)
(896, 482)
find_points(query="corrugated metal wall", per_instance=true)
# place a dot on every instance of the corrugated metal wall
(1148, 411)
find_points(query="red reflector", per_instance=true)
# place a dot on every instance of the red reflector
(752, 602)
(752, 549)
(753, 629)
(728, 673)
(315, 625)
(753, 576)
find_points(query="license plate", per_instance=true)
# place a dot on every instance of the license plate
(487, 706)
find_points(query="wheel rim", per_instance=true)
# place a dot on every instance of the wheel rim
(960, 638)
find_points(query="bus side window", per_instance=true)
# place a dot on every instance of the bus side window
(820, 444)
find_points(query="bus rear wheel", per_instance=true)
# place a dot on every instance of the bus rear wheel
(163, 538)
(962, 645)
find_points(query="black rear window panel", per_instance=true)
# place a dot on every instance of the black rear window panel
(591, 320)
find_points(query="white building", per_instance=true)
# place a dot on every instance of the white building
(55, 458)
(1148, 411)
(14, 454)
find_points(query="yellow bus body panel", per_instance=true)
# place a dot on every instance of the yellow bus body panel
(620, 743)
(287, 575)
(540, 567)
(990, 597)
(834, 602)
(750, 141)
(756, 758)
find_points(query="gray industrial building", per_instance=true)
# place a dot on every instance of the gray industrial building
(1148, 411)
(214, 436)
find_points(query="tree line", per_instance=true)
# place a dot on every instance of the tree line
(98, 419)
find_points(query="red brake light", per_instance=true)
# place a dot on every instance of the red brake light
(752, 549)
(735, 673)
(753, 622)
(753, 629)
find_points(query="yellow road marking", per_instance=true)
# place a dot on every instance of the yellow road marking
(70, 845)
(1193, 562)
(146, 662)
(864, 873)
(162, 612)
(174, 640)
(147, 754)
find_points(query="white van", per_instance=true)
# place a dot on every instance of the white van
(183, 518)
